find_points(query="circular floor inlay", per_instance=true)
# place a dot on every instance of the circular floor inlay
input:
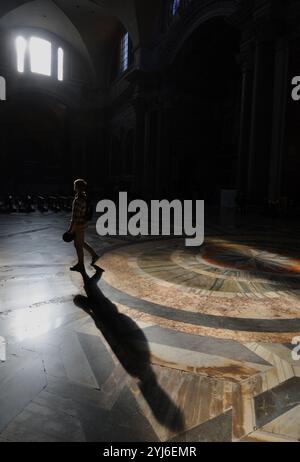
(243, 283)
(251, 258)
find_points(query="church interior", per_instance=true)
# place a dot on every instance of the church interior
(165, 100)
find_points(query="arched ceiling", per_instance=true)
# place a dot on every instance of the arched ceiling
(45, 14)
(89, 26)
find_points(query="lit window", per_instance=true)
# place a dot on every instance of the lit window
(124, 52)
(21, 50)
(40, 56)
(60, 64)
(175, 6)
(39, 53)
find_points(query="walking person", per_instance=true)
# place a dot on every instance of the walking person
(78, 225)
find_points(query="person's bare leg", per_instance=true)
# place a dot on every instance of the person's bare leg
(80, 254)
(78, 243)
(90, 250)
(93, 254)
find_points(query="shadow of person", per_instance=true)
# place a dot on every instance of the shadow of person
(130, 345)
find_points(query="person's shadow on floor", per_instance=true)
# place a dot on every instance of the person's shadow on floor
(130, 345)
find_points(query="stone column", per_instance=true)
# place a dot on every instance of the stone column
(246, 62)
(163, 180)
(261, 121)
(139, 149)
(159, 128)
(147, 155)
(279, 117)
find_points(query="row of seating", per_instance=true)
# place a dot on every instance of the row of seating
(26, 203)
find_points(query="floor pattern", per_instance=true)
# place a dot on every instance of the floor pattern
(169, 345)
(200, 288)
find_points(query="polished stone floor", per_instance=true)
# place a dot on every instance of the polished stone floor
(170, 344)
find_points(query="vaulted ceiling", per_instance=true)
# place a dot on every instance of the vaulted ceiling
(90, 26)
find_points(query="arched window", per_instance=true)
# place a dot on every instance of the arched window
(175, 6)
(39, 52)
(124, 58)
(125, 52)
(21, 51)
(60, 64)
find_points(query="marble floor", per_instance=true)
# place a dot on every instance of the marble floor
(169, 344)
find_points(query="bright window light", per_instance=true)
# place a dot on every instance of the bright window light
(40, 56)
(21, 44)
(60, 64)
(175, 6)
(124, 52)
